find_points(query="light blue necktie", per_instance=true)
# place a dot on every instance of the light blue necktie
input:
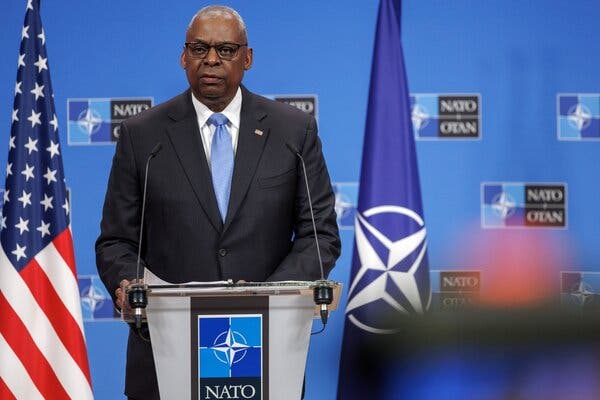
(221, 161)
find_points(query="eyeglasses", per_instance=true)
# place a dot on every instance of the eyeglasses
(225, 51)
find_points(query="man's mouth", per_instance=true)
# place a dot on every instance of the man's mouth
(210, 79)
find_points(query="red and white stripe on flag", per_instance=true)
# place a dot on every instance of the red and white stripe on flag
(42, 343)
(41, 332)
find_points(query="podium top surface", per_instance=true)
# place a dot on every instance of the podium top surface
(228, 288)
(158, 288)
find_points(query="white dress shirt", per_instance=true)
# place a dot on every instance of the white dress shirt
(232, 112)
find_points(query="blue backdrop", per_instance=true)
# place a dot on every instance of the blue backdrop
(517, 56)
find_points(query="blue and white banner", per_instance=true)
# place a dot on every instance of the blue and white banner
(390, 272)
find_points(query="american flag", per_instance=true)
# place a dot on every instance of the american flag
(42, 343)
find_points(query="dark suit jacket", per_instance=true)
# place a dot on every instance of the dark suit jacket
(268, 231)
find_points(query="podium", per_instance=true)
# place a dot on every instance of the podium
(230, 341)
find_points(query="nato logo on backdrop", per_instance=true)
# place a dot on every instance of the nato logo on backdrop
(97, 121)
(530, 205)
(303, 102)
(346, 198)
(578, 116)
(457, 289)
(445, 116)
(96, 303)
(306, 103)
(580, 290)
(230, 356)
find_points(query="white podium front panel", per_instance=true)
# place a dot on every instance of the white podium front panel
(169, 323)
(290, 322)
(236, 345)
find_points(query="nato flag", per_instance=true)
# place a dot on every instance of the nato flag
(390, 272)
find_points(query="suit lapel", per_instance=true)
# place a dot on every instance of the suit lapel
(184, 134)
(251, 141)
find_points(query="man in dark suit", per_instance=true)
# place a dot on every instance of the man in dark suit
(226, 197)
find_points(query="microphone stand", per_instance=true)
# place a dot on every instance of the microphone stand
(323, 292)
(137, 292)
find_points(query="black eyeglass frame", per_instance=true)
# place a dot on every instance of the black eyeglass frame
(217, 47)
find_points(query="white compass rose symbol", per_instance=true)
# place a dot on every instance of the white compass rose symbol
(579, 116)
(420, 117)
(343, 205)
(90, 121)
(390, 270)
(582, 292)
(92, 297)
(504, 205)
(230, 347)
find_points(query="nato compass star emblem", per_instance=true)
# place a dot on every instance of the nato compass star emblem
(230, 347)
(90, 121)
(579, 117)
(393, 272)
(582, 293)
(419, 117)
(343, 206)
(504, 205)
(91, 298)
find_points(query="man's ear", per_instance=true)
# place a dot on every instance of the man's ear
(183, 59)
(248, 59)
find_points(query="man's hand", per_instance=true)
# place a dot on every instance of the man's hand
(122, 301)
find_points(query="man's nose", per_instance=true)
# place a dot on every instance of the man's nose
(212, 57)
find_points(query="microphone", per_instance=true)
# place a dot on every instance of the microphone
(323, 292)
(137, 293)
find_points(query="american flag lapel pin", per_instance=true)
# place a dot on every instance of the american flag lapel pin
(258, 132)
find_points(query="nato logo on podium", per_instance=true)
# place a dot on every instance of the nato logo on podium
(230, 359)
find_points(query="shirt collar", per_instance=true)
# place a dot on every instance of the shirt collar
(232, 111)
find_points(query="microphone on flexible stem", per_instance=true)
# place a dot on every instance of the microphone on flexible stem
(137, 292)
(323, 292)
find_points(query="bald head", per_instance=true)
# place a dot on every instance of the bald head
(220, 12)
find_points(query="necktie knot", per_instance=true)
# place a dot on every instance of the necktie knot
(218, 119)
